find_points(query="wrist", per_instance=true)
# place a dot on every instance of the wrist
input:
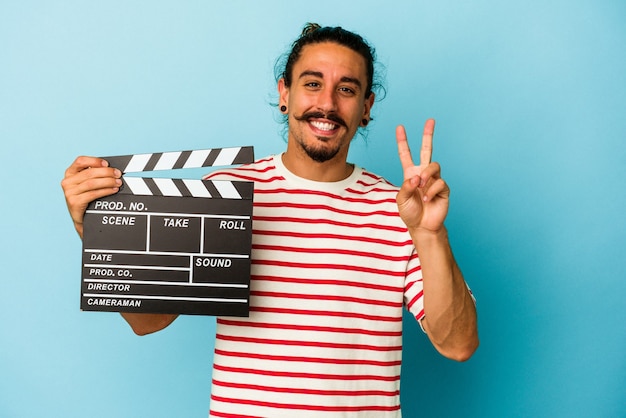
(422, 236)
(425, 232)
(79, 228)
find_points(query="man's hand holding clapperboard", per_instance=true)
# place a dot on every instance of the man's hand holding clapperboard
(177, 246)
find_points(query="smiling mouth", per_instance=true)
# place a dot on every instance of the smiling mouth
(324, 126)
(322, 123)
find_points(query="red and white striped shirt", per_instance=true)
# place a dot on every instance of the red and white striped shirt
(332, 268)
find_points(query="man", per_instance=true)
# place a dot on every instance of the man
(334, 254)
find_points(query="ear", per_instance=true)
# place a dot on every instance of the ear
(283, 93)
(369, 103)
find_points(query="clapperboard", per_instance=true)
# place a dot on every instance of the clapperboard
(163, 245)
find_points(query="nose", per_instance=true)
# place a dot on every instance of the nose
(327, 100)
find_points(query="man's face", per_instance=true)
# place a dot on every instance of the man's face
(326, 100)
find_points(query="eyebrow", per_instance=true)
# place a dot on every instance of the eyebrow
(319, 74)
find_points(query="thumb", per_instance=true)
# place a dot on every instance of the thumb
(408, 188)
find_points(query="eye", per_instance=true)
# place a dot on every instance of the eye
(347, 91)
(312, 84)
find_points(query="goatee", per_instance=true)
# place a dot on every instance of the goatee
(320, 154)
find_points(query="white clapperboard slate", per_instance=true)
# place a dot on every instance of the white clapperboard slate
(164, 245)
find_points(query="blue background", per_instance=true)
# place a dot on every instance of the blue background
(530, 101)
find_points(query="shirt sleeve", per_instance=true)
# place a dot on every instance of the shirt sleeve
(413, 287)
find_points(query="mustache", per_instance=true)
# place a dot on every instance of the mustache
(333, 117)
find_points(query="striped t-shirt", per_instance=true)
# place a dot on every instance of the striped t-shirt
(332, 267)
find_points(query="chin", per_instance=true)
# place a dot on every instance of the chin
(321, 154)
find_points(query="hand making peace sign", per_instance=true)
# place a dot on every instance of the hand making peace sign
(424, 196)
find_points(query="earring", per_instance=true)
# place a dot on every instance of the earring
(283, 108)
(364, 122)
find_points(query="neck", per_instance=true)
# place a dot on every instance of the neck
(300, 164)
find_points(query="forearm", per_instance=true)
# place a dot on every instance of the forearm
(450, 312)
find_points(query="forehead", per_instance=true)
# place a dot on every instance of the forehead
(330, 59)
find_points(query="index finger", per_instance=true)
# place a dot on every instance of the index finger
(404, 152)
(426, 152)
(83, 162)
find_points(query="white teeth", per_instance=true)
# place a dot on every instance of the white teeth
(324, 126)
